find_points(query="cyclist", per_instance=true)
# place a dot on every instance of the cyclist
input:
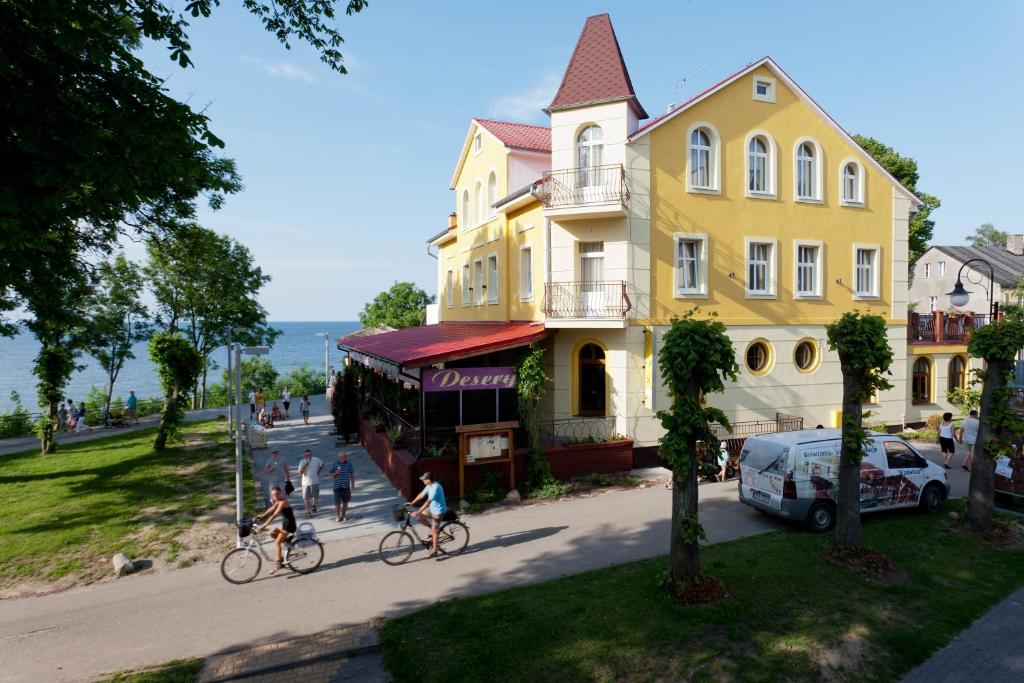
(433, 508)
(279, 506)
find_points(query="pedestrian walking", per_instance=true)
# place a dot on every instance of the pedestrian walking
(276, 473)
(62, 417)
(309, 470)
(72, 415)
(969, 437)
(260, 399)
(304, 408)
(946, 442)
(80, 418)
(252, 403)
(286, 399)
(344, 481)
(132, 406)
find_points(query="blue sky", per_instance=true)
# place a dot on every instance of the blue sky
(347, 176)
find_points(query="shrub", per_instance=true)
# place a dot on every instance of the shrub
(436, 451)
(600, 480)
(490, 491)
(967, 399)
(396, 434)
(17, 422)
(933, 421)
(301, 380)
(552, 488)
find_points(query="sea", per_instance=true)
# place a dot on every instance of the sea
(298, 344)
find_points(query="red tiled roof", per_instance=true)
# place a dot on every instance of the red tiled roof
(416, 347)
(596, 71)
(519, 135)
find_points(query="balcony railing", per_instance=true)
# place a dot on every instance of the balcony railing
(943, 328)
(580, 187)
(587, 300)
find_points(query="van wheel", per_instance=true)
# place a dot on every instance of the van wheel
(821, 517)
(931, 498)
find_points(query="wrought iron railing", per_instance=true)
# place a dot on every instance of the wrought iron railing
(942, 328)
(395, 424)
(584, 186)
(586, 300)
(741, 431)
(575, 430)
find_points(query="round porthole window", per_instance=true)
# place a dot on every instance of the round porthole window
(806, 356)
(758, 357)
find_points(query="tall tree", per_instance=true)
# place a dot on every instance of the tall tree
(177, 365)
(206, 284)
(987, 235)
(117, 318)
(904, 169)
(865, 358)
(696, 359)
(404, 305)
(998, 344)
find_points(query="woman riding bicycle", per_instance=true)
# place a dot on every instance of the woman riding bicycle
(279, 506)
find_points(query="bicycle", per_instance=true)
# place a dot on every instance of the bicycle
(302, 554)
(396, 547)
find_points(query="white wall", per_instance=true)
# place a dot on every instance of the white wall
(526, 167)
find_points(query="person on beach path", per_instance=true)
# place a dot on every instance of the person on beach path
(433, 509)
(252, 403)
(969, 436)
(260, 400)
(276, 472)
(132, 406)
(304, 408)
(286, 399)
(946, 442)
(62, 417)
(309, 470)
(344, 481)
(278, 506)
(80, 418)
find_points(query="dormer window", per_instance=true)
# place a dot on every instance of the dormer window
(764, 89)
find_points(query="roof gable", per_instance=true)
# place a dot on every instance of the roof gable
(596, 70)
(513, 136)
(1007, 267)
(801, 95)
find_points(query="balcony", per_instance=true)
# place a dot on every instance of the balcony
(942, 328)
(577, 193)
(586, 304)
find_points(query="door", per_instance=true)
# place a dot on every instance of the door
(592, 382)
(906, 474)
(592, 294)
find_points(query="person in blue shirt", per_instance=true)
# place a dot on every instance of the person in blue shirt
(433, 508)
(133, 408)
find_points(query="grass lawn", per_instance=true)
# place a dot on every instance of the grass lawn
(178, 671)
(64, 515)
(791, 615)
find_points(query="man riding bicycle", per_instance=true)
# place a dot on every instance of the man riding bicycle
(279, 506)
(433, 509)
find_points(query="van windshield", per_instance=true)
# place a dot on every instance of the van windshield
(768, 457)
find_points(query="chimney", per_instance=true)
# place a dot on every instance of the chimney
(451, 220)
(1015, 244)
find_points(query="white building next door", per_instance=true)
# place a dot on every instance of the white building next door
(592, 294)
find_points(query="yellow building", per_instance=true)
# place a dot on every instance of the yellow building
(748, 201)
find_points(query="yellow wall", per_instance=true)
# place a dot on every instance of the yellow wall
(731, 216)
(525, 227)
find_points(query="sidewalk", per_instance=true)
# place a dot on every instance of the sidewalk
(991, 649)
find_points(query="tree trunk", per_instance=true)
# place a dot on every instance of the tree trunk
(848, 512)
(47, 444)
(684, 556)
(110, 392)
(202, 402)
(170, 410)
(982, 488)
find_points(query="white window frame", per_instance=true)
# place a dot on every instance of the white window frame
(772, 270)
(819, 158)
(526, 279)
(767, 97)
(467, 210)
(492, 193)
(478, 143)
(771, 167)
(467, 284)
(449, 288)
(933, 304)
(478, 202)
(927, 272)
(478, 282)
(942, 268)
(701, 290)
(493, 273)
(715, 157)
(876, 278)
(858, 200)
(819, 266)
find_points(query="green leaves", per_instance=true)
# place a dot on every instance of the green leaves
(864, 352)
(404, 305)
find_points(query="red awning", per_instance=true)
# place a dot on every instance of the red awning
(417, 347)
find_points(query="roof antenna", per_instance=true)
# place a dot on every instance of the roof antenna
(678, 86)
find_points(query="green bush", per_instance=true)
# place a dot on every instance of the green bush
(600, 480)
(490, 491)
(552, 488)
(17, 422)
(302, 380)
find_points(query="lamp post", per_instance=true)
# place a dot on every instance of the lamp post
(960, 296)
(249, 351)
(231, 380)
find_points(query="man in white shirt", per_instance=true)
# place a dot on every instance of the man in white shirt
(310, 468)
(252, 403)
(286, 399)
(969, 436)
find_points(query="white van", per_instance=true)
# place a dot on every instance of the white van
(795, 475)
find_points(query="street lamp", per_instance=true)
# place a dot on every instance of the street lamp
(327, 372)
(249, 351)
(960, 296)
(231, 374)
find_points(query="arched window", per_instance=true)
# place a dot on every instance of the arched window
(592, 388)
(921, 387)
(492, 190)
(478, 200)
(589, 150)
(957, 374)
(851, 183)
(701, 159)
(806, 171)
(466, 219)
(757, 165)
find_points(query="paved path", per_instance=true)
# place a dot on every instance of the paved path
(990, 650)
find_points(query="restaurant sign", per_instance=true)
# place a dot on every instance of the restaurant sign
(468, 379)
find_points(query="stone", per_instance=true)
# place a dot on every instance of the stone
(955, 516)
(123, 564)
(463, 505)
(513, 497)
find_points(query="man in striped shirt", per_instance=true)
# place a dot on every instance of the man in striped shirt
(344, 476)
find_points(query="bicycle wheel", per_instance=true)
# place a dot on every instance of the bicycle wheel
(452, 538)
(396, 547)
(304, 555)
(241, 565)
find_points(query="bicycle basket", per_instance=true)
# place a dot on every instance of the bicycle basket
(398, 513)
(244, 529)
